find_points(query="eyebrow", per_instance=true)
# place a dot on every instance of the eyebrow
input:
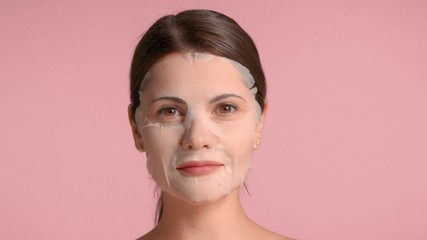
(224, 96)
(173, 99)
(215, 99)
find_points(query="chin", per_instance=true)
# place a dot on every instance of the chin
(201, 199)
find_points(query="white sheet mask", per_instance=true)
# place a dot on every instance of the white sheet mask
(203, 83)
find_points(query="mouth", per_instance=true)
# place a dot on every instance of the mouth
(199, 168)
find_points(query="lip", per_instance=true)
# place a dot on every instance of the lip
(199, 168)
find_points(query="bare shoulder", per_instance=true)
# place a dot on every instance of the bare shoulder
(257, 233)
(263, 233)
(267, 234)
(274, 236)
(280, 237)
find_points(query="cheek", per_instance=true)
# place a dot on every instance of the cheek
(239, 134)
(158, 136)
(238, 140)
(160, 143)
(238, 145)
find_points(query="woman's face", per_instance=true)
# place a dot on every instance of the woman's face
(198, 122)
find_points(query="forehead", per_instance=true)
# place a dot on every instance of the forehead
(197, 70)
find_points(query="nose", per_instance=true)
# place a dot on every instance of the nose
(198, 135)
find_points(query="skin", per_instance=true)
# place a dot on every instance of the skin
(213, 125)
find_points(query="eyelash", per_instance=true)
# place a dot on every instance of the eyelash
(162, 110)
(233, 108)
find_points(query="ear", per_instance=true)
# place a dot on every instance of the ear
(260, 126)
(136, 134)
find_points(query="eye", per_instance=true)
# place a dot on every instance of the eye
(169, 112)
(226, 109)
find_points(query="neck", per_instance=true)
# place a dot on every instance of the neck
(218, 219)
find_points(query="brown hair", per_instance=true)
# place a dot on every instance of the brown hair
(199, 31)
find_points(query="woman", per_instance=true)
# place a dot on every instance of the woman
(197, 110)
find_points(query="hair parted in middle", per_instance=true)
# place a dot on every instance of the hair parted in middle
(198, 31)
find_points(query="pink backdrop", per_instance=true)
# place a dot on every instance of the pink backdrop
(344, 154)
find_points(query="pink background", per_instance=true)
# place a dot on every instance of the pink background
(344, 154)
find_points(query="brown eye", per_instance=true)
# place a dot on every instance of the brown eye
(226, 109)
(169, 111)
